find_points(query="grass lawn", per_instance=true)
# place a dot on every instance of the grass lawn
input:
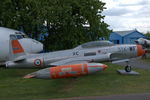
(147, 59)
(108, 82)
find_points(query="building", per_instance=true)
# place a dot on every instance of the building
(125, 37)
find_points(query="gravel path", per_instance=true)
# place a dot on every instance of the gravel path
(137, 63)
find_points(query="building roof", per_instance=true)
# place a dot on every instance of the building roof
(123, 33)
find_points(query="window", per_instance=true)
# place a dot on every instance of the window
(19, 36)
(13, 37)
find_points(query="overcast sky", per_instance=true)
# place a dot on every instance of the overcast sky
(128, 14)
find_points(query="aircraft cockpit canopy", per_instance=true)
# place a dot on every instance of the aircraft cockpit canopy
(94, 44)
(20, 35)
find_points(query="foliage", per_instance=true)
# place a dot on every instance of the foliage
(148, 34)
(21, 14)
(64, 20)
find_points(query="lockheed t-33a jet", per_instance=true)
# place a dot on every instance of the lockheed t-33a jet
(78, 61)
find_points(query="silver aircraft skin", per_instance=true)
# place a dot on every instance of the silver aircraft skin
(144, 42)
(95, 51)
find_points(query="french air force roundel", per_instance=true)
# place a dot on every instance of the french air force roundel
(37, 62)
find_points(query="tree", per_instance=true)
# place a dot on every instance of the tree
(21, 14)
(148, 34)
(64, 20)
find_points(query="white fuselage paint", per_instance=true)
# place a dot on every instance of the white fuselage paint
(29, 45)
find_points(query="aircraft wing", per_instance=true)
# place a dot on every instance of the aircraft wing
(114, 57)
(68, 62)
(117, 56)
(79, 60)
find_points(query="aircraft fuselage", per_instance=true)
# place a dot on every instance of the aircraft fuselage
(98, 54)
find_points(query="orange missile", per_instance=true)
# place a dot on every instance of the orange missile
(66, 71)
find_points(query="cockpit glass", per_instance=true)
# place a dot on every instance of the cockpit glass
(96, 44)
(19, 36)
(13, 37)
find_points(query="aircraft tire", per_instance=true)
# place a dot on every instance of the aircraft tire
(128, 68)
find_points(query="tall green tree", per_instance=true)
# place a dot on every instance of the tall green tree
(64, 20)
(23, 14)
(148, 34)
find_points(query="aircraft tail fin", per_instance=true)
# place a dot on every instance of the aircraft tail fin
(16, 49)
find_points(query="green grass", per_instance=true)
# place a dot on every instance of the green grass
(108, 82)
(146, 59)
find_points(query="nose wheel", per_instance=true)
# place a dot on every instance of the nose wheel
(128, 68)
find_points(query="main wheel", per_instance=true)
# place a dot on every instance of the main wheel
(128, 68)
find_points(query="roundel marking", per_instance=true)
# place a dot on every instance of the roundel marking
(37, 62)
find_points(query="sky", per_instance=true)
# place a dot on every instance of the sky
(127, 15)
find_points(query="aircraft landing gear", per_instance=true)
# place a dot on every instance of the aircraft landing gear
(128, 68)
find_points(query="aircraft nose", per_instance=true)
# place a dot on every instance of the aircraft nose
(36, 46)
(140, 50)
